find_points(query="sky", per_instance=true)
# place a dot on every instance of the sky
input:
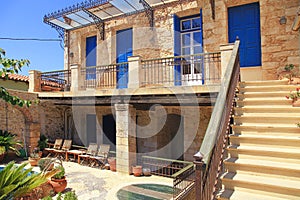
(24, 19)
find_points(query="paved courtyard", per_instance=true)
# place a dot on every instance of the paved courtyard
(94, 183)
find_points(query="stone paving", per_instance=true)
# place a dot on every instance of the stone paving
(93, 183)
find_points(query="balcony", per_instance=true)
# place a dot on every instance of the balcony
(169, 75)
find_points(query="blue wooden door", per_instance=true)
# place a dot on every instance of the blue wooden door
(244, 22)
(124, 50)
(91, 57)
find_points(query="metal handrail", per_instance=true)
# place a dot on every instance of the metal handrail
(212, 131)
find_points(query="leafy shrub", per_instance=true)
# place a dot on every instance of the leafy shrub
(9, 141)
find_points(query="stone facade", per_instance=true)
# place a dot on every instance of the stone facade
(279, 44)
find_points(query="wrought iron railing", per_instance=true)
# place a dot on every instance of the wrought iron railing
(56, 80)
(162, 166)
(211, 154)
(106, 76)
(197, 69)
(183, 181)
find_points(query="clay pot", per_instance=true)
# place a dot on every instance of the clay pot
(137, 170)
(33, 161)
(296, 103)
(58, 185)
(112, 164)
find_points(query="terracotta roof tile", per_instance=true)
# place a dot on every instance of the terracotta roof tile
(17, 77)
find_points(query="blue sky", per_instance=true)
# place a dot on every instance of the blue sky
(24, 19)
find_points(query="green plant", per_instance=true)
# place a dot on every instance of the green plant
(47, 198)
(35, 153)
(61, 173)
(59, 196)
(11, 66)
(43, 142)
(70, 196)
(294, 95)
(289, 67)
(44, 163)
(9, 141)
(16, 181)
(2, 150)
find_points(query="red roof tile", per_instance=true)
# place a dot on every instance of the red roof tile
(17, 77)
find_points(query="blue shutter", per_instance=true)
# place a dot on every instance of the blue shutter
(177, 50)
(124, 50)
(91, 57)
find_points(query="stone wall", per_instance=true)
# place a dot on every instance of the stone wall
(278, 42)
(22, 121)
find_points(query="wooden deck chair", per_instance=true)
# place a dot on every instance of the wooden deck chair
(56, 146)
(101, 157)
(91, 151)
(65, 147)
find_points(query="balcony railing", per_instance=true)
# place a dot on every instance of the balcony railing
(197, 69)
(56, 80)
(106, 76)
(183, 181)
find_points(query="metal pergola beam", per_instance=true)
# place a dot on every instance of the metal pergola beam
(149, 12)
(97, 21)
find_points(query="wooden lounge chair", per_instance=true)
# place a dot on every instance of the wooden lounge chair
(56, 146)
(91, 151)
(65, 147)
(101, 157)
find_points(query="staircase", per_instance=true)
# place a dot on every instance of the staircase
(264, 153)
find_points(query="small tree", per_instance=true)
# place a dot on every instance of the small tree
(11, 66)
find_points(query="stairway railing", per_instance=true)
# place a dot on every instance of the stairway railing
(209, 159)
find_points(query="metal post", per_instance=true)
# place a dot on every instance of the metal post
(198, 178)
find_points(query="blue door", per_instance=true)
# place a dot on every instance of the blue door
(244, 22)
(91, 57)
(124, 50)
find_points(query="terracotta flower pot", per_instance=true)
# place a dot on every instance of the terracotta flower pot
(112, 164)
(58, 185)
(137, 170)
(33, 161)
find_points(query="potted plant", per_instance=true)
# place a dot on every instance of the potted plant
(137, 170)
(112, 163)
(34, 157)
(58, 181)
(295, 96)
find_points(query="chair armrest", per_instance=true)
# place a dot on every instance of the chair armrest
(50, 144)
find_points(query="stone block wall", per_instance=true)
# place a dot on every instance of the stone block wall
(279, 44)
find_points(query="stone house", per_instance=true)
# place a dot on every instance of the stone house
(143, 75)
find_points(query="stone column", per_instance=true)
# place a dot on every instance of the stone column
(126, 137)
(34, 81)
(76, 82)
(134, 72)
(226, 51)
(32, 135)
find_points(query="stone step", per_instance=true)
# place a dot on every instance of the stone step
(264, 150)
(292, 141)
(283, 111)
(246, 95)
(270, 88)
(264, 102)
(267, 120)
(263, 83)
(291, 170)
(273, 159)
(257, 181)
(246, 194)
(266, 129)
